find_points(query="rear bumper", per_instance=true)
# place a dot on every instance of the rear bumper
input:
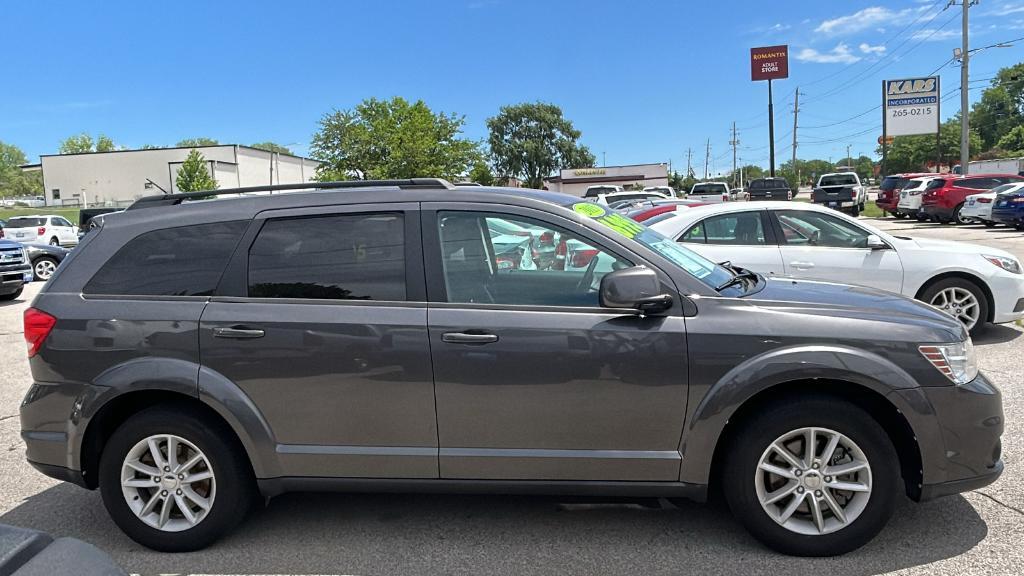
(1010, 217)
(887, 204)
(937, 211)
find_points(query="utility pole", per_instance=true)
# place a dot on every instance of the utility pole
(689, 167)
(735, 141)
(965, 130)
(849, 160)
(707, 158)
(796, 112)
(604, 159)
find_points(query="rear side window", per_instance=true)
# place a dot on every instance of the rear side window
(183, 261)
(338, 257)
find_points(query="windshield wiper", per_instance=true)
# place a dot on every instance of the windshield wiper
(741, 275)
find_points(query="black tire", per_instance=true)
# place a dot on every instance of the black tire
(54, 241)
(957, 218)
(12, 295)
(899, 216)
(921, 218)
(855, 211)
(982, 324)
(988, 223)
(754, 436)
(1019, 226)
(35, 263)
(235, 485)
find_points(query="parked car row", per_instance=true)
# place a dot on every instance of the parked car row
(952, 198)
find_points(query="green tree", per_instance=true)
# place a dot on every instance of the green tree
(915, 153)
(13, 180)
(1001, 107)
(194, 174)
(272, 147)
(84, 143)
(196, 142)
(381, 139)
(152, 147)
(532, 140)
(104, 144)
(1013, 141)
(481, 173)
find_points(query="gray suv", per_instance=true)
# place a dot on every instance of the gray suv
(201, 350)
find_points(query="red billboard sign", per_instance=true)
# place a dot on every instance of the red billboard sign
(769, 63)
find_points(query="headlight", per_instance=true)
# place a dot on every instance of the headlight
(1008, 264)
(956, 361)
(25, 256)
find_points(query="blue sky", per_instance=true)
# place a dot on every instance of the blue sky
(643, 81)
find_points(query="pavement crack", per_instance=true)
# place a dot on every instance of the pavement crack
(1000, 502)
(2, 418)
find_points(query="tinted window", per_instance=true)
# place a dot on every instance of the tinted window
(838, 180)
(24, 222)
(546, 267)
(892, 183)
(61, 222)
(185, 261)
(743, 228)
(339, 257)
(978, 183)
(934, 184)
(709, 189)
(818, 229)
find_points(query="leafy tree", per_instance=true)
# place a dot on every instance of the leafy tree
(152, 147)
(392, 139)
(13, 180)
(194, 174)
(272, 147)
(1001, 107)
(481, 174)
(84, 143)
(1013, 141)
(915, 153)
(196, 142)
(530, 141)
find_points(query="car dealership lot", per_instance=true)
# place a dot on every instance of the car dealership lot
(977, 533)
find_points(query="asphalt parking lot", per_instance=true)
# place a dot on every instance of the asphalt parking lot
(976, 533)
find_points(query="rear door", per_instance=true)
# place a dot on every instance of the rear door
(821, 246)
(534, 380)
(743, 238)
(321, 320)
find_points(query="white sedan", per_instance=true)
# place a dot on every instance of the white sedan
(978, 207)
(976, 284)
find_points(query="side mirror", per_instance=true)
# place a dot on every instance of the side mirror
(876, 243)
(635, 288)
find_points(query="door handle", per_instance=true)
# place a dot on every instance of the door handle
(802, 265)
(238, 333)
(466, 338)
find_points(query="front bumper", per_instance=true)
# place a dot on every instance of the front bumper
(958, 430)
(1007, 295)
(11, 280)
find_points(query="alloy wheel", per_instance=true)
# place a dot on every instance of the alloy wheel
(168, 483)
(813, 481)
(44, 269)
(959, 303)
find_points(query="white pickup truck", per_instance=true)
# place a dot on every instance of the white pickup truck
(842, 191)
(710, 192)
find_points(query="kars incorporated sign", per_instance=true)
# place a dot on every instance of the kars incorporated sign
(769, 63)
(911, 106)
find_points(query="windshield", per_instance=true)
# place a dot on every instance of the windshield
(1004, 188)
(709, 189)
(698, 266)
(838, 180)
(25, 222)
(892, 183)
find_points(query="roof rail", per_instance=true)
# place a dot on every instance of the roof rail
(179, 197)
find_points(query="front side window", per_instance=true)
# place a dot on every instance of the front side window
(183, 261)
(502, 259)
(801, 228)
(337, 257)
(742, 228)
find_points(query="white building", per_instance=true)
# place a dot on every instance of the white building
(120, 177)
(575, 181)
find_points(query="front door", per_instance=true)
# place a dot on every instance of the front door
(534, 380)
(820, 246)
(327, 335)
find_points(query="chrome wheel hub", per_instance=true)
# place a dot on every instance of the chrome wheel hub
(813, 481)
(168, 483)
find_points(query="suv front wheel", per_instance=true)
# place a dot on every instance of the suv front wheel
(172, 482)
(814, 477)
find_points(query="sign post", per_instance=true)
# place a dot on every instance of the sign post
(770, 63)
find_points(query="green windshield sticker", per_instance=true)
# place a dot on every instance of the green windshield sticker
(588, 209)
(616, 222)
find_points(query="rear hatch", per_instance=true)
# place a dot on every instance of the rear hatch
(711, 193)
(25, 228)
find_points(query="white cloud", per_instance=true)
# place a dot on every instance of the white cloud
(933, 35)
(865, 19)
(869, 49)
(841, 54)
(778, 27)
(1008, 8)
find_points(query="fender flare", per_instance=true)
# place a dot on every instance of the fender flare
(706, 424)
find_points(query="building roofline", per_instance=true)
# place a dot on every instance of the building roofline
(41, 156)
(616, 166)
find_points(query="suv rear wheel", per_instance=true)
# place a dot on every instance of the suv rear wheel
(171, 482)
(813, 477)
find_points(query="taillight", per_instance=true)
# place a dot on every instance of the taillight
(42, 230)
(725, 197)
(1, 232)
(38, 325)
(581, 258)
(1017, 200)
(559, 263)
(984, 200)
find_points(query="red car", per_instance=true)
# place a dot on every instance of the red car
(889, 191)
(944, 197)
(644, 214)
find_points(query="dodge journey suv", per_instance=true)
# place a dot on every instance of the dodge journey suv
(201, 350)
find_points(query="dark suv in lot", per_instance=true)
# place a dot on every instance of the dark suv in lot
(194, 353)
